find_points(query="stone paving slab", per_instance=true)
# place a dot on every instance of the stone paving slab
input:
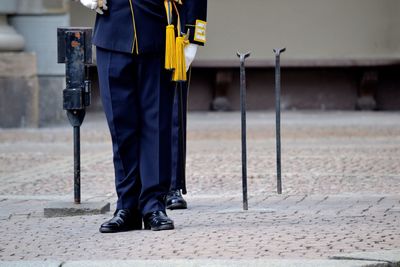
(65, 209)
(340, 178)
(314, 164)
(214, 228)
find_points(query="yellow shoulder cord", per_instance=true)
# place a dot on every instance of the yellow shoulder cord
(135, 41)
(179, 74)
(178, 23)
(170, 47)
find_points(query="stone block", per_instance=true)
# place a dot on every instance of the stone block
(17, 65)
(41, 6)
(19, 100)
(19, 90)
(68, 209)
(7, 6)
(50, 100)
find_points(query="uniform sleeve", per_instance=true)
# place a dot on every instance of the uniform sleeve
(195, 14)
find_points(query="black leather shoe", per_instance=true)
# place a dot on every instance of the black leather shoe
(175, 200)
(123, 220)
(158, 221)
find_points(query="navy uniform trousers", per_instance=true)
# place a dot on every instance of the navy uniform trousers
(137, 95)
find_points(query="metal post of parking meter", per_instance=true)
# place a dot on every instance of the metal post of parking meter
(75, 50)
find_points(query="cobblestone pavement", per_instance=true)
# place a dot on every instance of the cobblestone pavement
(341, 190)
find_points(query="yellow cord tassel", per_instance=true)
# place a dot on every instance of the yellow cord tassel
(170, 48)
(180, 67)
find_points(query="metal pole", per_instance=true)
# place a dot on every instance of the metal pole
(278, 115)
(243, 126)
(182, 136)
(77, 165)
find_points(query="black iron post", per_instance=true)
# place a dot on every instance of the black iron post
(278, 53)
(75, 50)
(243, 127)
(182, 134)
(77, 165)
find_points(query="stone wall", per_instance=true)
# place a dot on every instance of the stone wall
(40, 32)
(37, 22)
(19, 90)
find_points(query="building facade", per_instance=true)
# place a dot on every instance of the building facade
(342, 54)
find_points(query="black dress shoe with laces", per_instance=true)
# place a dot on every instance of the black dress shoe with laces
(123, 220)
(175, 201)
(157, 221)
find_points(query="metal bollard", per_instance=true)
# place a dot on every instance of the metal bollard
(244, 127)
(278, 53)
(75, 50)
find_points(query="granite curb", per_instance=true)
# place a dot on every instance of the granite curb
(205, 263)
(31, 263)
(392, 257)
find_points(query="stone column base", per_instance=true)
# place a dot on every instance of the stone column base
(51, 100)
(19, 90)
(10, 40)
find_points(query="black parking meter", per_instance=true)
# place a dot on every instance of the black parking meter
(75, 50)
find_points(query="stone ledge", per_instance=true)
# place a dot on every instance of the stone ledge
(31, 263)
(387, 256)
(19, 64)
(39, 7)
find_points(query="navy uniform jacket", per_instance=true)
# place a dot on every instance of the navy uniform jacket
(138, 26)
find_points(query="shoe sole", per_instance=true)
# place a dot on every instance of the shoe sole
(110, 231)
(160, 228)
(177, 207)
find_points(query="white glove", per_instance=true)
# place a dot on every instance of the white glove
(190, 54)
(98, 5)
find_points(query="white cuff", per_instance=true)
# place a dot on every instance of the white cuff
(190, 54)
(92, 4)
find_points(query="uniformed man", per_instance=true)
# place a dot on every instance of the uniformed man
(137, 57)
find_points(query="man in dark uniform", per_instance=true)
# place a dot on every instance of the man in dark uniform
(137, 95)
